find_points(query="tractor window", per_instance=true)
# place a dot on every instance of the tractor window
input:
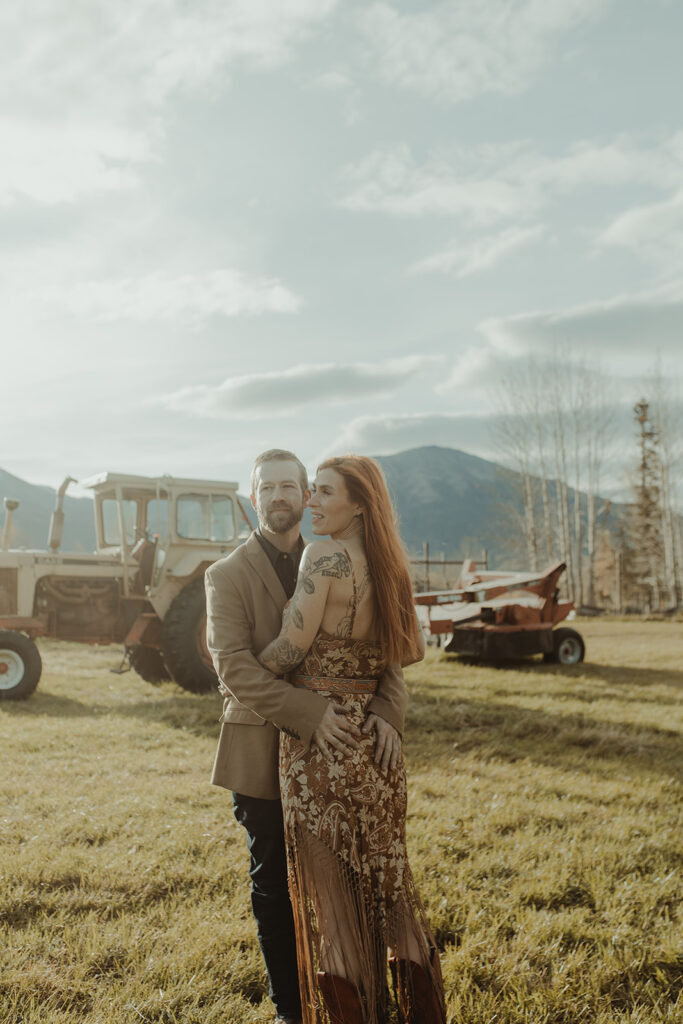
(157, 517)
(110, 521)
(222, 518)
(205, 517)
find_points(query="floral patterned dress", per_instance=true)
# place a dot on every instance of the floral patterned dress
(352, 891)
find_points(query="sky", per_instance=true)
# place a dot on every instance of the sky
(325, 225)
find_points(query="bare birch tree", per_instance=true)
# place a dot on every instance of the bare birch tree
(599, 434)
(514, 441)
(559, 415)
(553, 430)
(535, 408)
(666, 416)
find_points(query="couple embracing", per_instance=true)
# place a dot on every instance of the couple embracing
(308, 643)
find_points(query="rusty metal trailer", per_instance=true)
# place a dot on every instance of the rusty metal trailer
(498, 615)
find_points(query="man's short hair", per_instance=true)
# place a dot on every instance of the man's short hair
(279, 455)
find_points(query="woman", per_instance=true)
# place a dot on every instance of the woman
(353, 895)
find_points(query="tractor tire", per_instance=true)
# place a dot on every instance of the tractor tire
(568, 647)
(20, 665)
(184, 640)
(149, 664)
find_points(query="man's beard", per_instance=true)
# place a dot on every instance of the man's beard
(279, 520)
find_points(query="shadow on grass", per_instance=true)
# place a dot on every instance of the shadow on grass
(441, 722)
(197, 713)
(438, 730)
(46, 703)
(615, 675)
(77, 896)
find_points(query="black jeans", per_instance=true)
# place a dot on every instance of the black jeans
(262, 820)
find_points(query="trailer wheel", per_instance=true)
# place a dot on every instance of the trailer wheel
(20, 665)
(568, 647)
(184, 640)
(148, 662)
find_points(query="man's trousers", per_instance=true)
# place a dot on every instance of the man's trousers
(262, 820)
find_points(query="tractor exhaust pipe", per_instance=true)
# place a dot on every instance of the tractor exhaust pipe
(54, 538)
(10, 505)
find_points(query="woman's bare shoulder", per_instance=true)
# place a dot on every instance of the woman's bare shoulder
(327, 557)
(322, 546)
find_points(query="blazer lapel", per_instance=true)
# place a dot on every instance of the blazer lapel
(263, 566)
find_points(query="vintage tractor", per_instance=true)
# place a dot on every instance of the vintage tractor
(143, 587)
(497, 615)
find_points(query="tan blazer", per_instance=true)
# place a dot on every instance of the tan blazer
(244, 603)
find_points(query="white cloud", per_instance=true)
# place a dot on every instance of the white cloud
(620, 340)
(385, 435)
(283, 393)
(465, 48)
(389, 181)
(482, 253)
(147, 51)
(162, 296)
(653, 231)
(485, 184)
(89, 83)
(343, 85)
(629, 326)
(57, 163)
(623, 161)
(476, 371)
(334, 81)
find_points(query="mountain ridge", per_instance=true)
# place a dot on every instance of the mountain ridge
(442, 495)
(32, 519)
(449, 499)
(456, 502)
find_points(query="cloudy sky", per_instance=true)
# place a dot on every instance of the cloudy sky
(327, 225)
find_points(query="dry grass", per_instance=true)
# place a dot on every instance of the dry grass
(544, 830)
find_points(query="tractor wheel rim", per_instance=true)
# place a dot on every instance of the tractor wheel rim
(202, 646)
(569, 651)
(11, 669)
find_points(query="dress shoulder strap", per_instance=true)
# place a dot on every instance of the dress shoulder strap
(354, 603)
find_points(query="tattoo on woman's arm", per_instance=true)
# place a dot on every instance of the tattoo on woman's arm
(283, 654)
(282, 651)
(335, 565)
(293, 616)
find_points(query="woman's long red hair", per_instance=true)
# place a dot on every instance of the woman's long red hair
(397, 623)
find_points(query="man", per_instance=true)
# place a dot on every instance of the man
(246, 594)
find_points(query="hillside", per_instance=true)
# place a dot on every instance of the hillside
(453, 500)
(32, 519)
(457, 502)
(443, 496)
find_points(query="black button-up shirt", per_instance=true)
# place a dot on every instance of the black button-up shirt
(285, 563)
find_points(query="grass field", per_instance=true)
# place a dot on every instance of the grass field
(544, 831)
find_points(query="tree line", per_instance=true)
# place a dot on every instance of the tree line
(561, 430)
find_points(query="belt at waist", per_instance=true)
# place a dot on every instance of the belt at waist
(335, 684)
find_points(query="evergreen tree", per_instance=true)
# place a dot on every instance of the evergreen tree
(646, 541)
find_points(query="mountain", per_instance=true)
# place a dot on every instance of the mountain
(458, 503)
(31, 520)
(454, 501)
(442, 495)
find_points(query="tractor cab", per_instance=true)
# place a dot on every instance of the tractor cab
(143, 519)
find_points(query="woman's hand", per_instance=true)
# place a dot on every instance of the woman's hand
(388, 743)
(335, 732)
